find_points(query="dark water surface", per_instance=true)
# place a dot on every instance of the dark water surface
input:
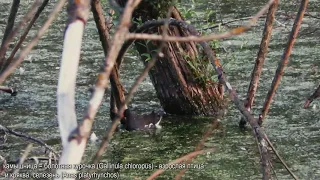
(294, 131)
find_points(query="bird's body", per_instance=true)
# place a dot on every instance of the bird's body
(141, 122)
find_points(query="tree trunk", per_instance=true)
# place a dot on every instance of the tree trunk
(181, 78)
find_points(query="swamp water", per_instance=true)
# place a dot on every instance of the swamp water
(294, 131)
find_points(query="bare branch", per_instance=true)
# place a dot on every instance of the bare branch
(34, 41)
(284, 60)
(10, 36)
(315, 95)
(195, 38)
(25, 33)
(263, 50)
(10, 23)
(83, 131)
(228, 22)
(19, 134)
(281, 159)
(133, 89)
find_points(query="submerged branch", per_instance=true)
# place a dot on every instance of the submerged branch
(280, 158)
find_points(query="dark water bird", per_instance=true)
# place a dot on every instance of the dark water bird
(315, 95)
(132, 121)
(141, 122)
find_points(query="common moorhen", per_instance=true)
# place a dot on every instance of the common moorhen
(141, 122)
(315, 95)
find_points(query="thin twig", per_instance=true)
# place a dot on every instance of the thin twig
(179, 160)
(228, 22)
(25, 33)
(12, 33)
(280, 158)
(284, 60)
(10, 23)
(19, 134)
(230, 33)
(310, 15)
(34, 41)
(263, 50)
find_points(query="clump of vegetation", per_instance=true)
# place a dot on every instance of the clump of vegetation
(202, 69)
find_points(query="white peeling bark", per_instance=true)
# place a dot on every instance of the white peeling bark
(67, 79)
(72, 151)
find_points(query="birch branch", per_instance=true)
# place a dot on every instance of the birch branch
(78, 12)
(78, 138)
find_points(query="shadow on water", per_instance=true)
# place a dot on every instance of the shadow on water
(294, 131)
